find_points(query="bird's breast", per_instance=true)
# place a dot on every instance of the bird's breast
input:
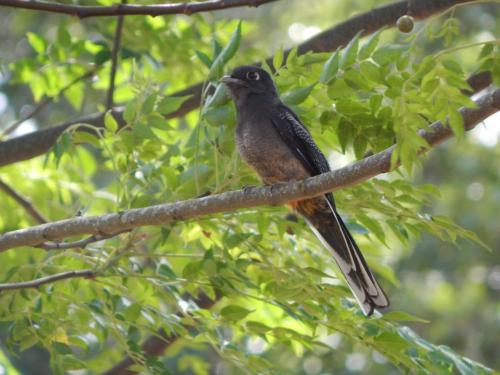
(262, 148)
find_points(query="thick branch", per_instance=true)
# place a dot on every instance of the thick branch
(48, 279)
(478, 82)
(85, 11)
(278, 194)
(386, 15)
(155, 345)
(39, 142)
(25, 203)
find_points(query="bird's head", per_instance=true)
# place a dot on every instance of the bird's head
(249, 80)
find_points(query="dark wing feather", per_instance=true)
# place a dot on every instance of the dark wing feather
(299, 140)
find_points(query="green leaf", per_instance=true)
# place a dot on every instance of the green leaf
(234, 312)
(63, 36)
(204, 58)
(350, 52)
(133, 312)
(402, 316)
(219, 116)
(84, 137)
(371, 71)
(367, 49)
(62, 348)
(27, 342)
(456, 122)
(486, 50)
(36, 42)
(70, 362)
(130, 112)
(226, 54)
(102, 56)
(192, 270)
(257, 327)
(330, 68)
(297, 96)
(278, 58)
(453, 66)
(149, 103)
(392, 341)
(389, 53)
(165, 270)
(373, 226)
(171, 104)
(360, 144)
(219, 97)
(110, 122)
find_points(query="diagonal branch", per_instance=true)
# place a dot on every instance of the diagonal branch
(24, 202)
(85, 11)
(362, 170)
(87, 273)
(39, 142)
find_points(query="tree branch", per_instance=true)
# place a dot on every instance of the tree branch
(383, 16)
(25, 203)
(278, 194)
(85, 11)
(87, 273)
(78, 244)
(155, 345)
(114, 60)
(39, 142)
(478, 82)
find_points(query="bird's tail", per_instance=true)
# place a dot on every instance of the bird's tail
(331, 230)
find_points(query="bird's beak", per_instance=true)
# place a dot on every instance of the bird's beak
(228, 80)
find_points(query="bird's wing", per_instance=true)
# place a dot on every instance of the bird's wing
(299, 140)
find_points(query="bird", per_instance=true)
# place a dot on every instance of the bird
(274, 142)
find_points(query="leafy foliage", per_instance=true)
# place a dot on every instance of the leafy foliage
(278, 285)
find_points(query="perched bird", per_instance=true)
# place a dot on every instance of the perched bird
(273, 141)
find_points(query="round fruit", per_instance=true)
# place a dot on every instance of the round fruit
(405, 24)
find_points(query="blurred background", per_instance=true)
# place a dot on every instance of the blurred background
(455, 287)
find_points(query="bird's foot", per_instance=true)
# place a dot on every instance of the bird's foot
(248, 189)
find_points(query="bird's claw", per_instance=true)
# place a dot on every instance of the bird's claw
(248, 188)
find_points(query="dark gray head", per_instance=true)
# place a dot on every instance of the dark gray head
(246, 81)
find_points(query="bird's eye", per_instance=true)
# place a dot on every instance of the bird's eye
(253, 76)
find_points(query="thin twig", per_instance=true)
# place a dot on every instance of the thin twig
(87, 273)
(114, 59)
(78, 244)
(24, 202)
(355, 173)
(72, 274)
(84, 11)
(42, 104)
